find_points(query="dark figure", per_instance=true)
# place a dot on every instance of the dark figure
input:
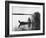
(29, 22)
(36, 24)
(24, 23)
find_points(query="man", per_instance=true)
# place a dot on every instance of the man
(36, 21)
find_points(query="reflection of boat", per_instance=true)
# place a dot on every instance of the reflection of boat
(24, 23)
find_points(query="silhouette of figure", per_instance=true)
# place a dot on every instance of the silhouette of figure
(36, 23)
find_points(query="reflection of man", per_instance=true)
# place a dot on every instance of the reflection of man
(25, 23)
(36, 21)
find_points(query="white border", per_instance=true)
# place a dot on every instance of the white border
(24, 32)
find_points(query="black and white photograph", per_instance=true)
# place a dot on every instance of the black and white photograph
(25, 18)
